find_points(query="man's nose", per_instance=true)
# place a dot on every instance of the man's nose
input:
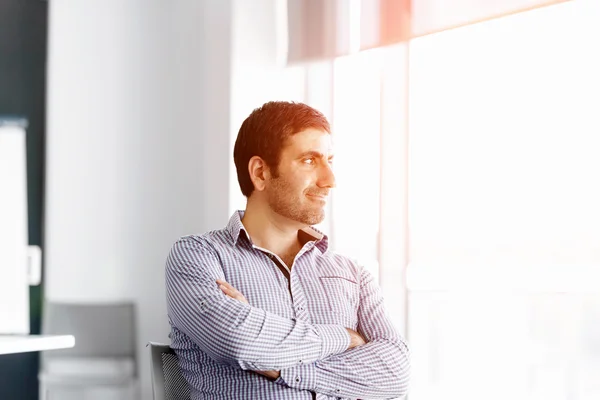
(327, 177)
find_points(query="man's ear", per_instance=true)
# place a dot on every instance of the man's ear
(259, 172)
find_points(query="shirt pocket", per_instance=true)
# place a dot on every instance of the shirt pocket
(342, 296)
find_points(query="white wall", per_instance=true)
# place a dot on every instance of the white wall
(137, 144)
(145, 98)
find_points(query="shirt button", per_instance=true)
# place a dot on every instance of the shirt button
(297, 379)
(300, 362)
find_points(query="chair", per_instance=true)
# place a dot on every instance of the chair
(167, 381)
(103, 362)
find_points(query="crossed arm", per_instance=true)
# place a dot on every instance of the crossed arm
(355, 338)
(328, 359)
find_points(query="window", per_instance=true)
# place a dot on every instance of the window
(503, 215)
(353, 215)
(488, 193)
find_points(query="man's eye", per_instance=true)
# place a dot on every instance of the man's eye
(309, 161)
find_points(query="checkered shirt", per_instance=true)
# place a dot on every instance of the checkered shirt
(295, 325)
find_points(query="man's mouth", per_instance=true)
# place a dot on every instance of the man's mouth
(318, 196)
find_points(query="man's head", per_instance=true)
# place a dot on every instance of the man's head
(282, 156)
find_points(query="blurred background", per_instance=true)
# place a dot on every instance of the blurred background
(467, 135)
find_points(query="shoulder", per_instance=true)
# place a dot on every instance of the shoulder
(210, 241)
(199, 248)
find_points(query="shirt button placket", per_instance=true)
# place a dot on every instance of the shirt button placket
(299, 300)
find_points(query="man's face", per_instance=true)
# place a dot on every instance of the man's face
(304, 177)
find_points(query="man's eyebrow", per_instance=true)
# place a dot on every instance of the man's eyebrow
(315, 154)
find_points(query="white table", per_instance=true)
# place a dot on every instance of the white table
(24, 343)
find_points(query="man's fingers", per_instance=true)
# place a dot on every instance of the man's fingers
(226, 287)
(228, 291)
(225, 283)
(231, 291)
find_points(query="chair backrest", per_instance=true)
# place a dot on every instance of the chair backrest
(167, 381)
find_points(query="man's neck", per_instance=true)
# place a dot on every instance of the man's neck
(270, 230)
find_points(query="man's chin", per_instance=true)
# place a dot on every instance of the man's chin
(308, 219)
(305, 216)
(314, 219)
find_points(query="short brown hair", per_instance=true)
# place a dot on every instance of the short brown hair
(265, 131)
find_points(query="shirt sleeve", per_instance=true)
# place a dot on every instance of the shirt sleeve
(378, 369)
(233, 332)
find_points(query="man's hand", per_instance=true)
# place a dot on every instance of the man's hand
(355, 339)
(272, 375)
(231, 291)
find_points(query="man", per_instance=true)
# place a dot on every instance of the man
(262, 309)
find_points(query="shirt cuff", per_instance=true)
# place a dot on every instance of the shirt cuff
(302, 377)
(335, 339)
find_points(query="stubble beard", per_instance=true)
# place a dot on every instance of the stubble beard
(289, 206)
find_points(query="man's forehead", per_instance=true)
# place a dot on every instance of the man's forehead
(310, 140)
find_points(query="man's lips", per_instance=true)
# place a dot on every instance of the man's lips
(320, 196)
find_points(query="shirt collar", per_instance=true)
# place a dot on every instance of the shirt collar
(235, 227)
